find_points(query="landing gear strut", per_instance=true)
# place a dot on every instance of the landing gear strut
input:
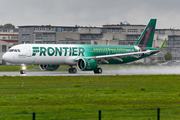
(23, 67)
(98, 71)
(72, 70)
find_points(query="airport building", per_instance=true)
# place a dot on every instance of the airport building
(123, 33)
(9, 35)
(120, 34)
(78, 35)
(37, 34)
(172, 44)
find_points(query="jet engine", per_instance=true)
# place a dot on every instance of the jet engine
(87, 64)
(49, 67)
(139, 50)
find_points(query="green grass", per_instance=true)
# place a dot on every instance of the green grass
(78, 93)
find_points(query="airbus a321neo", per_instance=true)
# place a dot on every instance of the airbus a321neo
(87, 57)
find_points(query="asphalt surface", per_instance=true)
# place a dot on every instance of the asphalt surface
(140, 70)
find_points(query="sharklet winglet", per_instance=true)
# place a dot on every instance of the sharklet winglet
(163, 44)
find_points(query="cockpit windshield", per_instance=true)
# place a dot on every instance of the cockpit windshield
(14, 50)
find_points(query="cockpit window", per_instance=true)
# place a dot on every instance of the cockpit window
(11, 50)
(14, 50)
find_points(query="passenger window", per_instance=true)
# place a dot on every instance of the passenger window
(19, 50)
(15, 50)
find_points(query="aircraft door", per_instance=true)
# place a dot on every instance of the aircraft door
(28, 51)
(107, 51)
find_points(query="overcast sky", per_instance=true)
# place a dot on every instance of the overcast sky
(90, 12)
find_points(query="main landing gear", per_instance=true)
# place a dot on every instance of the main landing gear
(98, 71)
(72, 70)
(23, 67)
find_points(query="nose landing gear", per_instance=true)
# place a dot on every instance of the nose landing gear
(22, 71)
(23, 67)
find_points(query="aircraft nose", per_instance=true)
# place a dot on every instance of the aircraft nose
(5, 57)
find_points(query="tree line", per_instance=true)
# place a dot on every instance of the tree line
(7, 26)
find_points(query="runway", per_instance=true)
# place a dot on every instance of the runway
(135, 70)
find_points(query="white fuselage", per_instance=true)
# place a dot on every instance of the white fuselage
(63, 54)
(23, 54)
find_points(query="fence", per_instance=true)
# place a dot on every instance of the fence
(133, 114)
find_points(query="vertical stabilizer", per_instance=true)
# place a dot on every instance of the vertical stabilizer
(146, 38)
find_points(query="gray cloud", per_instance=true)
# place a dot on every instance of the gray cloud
(89, 12)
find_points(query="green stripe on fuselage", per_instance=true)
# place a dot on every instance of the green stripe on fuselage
(98, 50)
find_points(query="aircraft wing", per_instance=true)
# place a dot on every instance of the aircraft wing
(104, 58)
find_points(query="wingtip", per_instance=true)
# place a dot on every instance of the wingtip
(163, 43)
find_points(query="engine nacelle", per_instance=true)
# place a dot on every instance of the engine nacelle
(49, 67)
(139, 50)
(86, 64)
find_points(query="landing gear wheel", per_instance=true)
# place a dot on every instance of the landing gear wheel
(98, 71)
(72, 70)
(22, 71)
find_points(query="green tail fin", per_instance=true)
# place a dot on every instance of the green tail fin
(146, 38)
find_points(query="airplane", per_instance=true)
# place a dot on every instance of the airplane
(87, 57)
